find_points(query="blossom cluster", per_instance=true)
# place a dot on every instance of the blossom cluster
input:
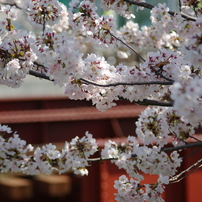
(131, 190)
(75, 156)
(84, 18)
(135, 158)
(43, 12)
(16, 58)
(166, 31)
(156, 125)
(57, 55)
(190, 93)
(16, 156)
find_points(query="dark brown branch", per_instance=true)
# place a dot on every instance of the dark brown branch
(86, 81)
(198, 144)
(101, 159)
(142, 4)
(170, 149)
(180, 5)
(147, 102)
(44, 21)
(195, 138)
(39, 75)
(149, 6)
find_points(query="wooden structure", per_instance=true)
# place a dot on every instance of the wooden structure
(44, 120)
(16, 189)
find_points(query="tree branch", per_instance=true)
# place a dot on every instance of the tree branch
(39, 75)
(101, 159)
(86, 81)
(127, 84)
(176, 179)
(198, 144)
(149, 6)
(169, 149)
(180, 5)
(163, 149)
(147, 102)
(144, 102)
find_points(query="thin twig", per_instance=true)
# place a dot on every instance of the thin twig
(192, 153)
(10, 4)
(162, 76)
(118, 39)
(176, 179)
(149, 6)
(195, 138)
(172, 132)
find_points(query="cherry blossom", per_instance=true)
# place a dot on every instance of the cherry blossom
(44, 12)
(69, 47)
(192, 94)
